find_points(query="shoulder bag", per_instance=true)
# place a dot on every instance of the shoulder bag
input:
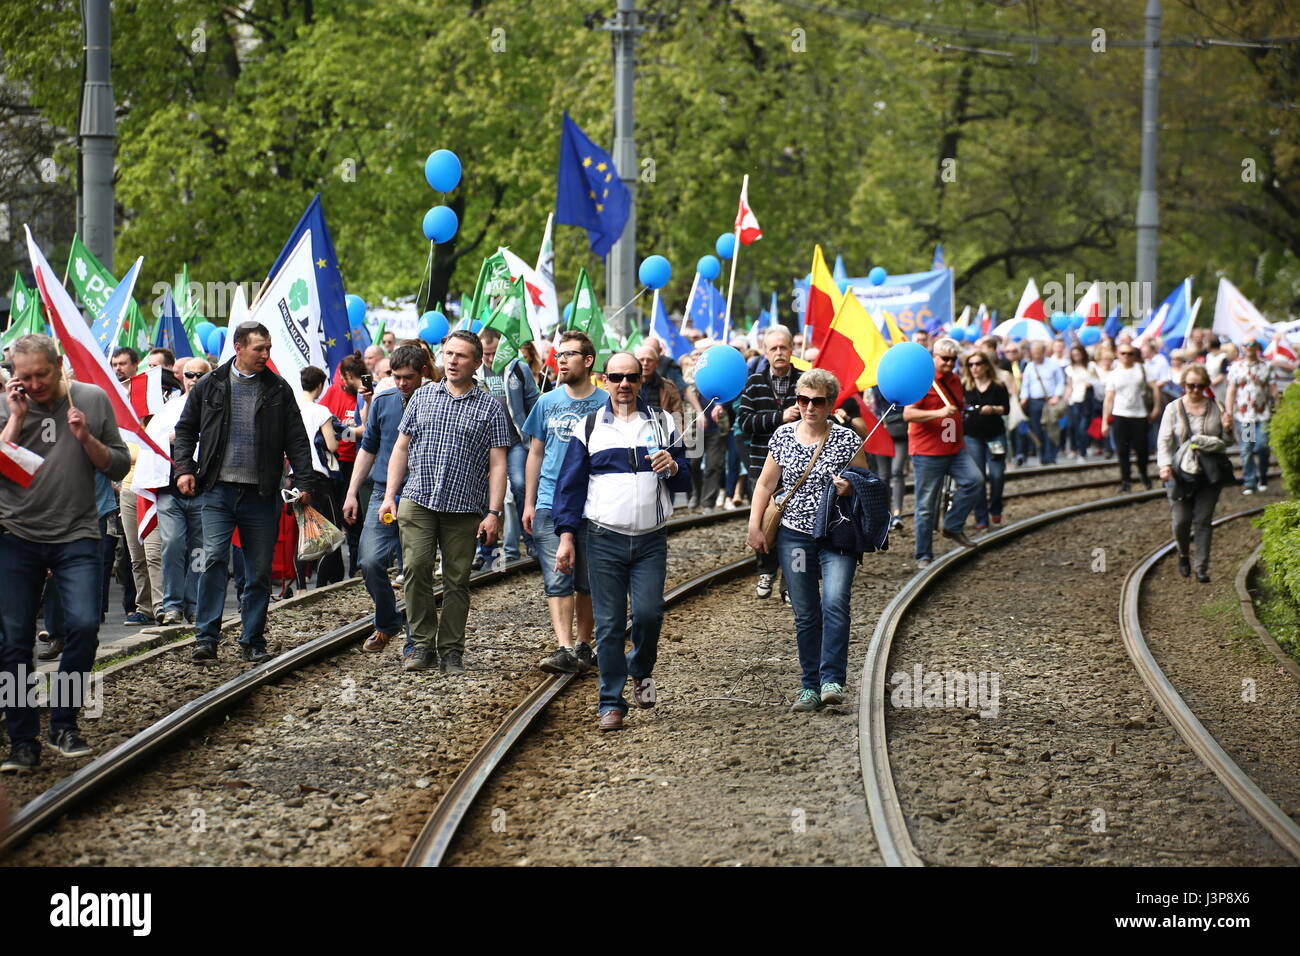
(775, 510)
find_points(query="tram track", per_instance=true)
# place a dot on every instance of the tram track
(1062, 777)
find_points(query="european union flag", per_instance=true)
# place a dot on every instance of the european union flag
(336, 334)
(171, 330)
(1113, 324)
(662, 326)
(589, 192)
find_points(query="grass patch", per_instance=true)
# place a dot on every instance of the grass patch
(1279, 616)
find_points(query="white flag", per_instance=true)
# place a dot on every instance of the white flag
(238, 314)
(290, 310)
(545, 269)
(534, 293)
(1236, 318)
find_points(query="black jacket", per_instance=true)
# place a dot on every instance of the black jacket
(280, 432)
(857, 523)
(760, 414)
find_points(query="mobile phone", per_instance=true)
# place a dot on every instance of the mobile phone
(20, 390)
(368, 382)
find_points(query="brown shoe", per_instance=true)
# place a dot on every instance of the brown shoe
(643, 691)
(376, 642)
(959, 537)
(611, 720)
(52, 652)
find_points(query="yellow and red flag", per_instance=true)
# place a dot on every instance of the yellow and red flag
(851, 350)
(824, 298)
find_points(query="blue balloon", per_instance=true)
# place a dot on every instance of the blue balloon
(905, 373)
(476, 326)
(725, 247)
(568, 311)
(440, 224)
(957, 333)
(434, 327)
(842, 285)
(204, 329)
(1076, 321)
(1090, 335)
(708, 267)
(442, 170)
(215, 340)
(655, 272)
(356, 311)
(877, 275)
(720, 373)
(1060, 321)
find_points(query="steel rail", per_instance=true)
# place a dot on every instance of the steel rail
(431, 846)
(1242, 788)
(92, 778)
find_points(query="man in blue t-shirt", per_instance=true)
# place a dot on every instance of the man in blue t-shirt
(548, 428)
(379, 542)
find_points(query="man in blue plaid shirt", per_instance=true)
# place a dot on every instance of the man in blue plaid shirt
(449, 465)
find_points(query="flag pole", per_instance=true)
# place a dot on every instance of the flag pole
(735, 254)
(690, 300)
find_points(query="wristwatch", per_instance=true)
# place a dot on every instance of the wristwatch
(493, 511)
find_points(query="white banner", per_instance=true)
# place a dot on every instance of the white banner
(1236, 318)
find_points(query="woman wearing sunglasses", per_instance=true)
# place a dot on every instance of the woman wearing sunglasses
(987, 400)
(810, 453)
(1193, 502)
(1125, 390)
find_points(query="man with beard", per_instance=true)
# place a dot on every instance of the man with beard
(548, 428)
(380, 542)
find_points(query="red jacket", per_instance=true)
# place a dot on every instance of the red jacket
(927, 438)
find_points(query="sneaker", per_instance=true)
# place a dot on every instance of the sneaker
(996, 519)
(586, 655)
(563, 661)
(832, 694)
(981, 527)
(52, 652)
(477, 563)
(728, 505)
(1248, 490)
(254, 653)
(138, 618)
(204, 651)
(69, 743)
(785, 596)
(26, 756)
(437, 568)
(763, 589)
(923, 563)
(452, 664)
(808, 700)
(643, 692)
(959, 537)
(896, 523)
(420, 659)
(399, 580)
(1262, 489)
(1125, 487)
(719, 501)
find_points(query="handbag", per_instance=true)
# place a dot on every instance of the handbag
(1148, 399)
(775, 510)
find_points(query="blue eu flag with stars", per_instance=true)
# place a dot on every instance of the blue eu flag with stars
(171, 331)
(335, 331)
(589, 193)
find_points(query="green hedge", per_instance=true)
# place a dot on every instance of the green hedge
(1284, 437)
(1281, 554)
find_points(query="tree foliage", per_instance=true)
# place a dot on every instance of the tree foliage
(875, 141)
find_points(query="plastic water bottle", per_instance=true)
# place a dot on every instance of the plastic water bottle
(652, 444)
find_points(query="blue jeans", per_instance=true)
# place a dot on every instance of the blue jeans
(820, 582)
(993, 470)
(1046, 448)
(620, 565)
(225, 508)
(1254, 452)
(380, 544)
(76, 566)
(516, 460)
(180, 523)
(929, 471)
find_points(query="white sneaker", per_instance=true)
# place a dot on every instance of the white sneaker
(1247, 490)
(728, 505)
(718, 501)
(1262, 489)
(764, 586)
(400, 580)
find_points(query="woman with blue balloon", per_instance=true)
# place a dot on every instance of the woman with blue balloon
(807, 459)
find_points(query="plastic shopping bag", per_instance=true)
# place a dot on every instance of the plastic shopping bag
(317, 536)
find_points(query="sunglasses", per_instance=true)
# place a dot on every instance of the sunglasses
(977, 364)
(619, 377)
(193, 374)
(1195, 387)
(806, 400)
(1128, 352)
(948, 358)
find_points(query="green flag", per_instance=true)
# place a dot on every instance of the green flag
(634, 338)
(587, 317)
(510, 318)
(493, 282)
(24, 314)
(191, 309)
(94, 284)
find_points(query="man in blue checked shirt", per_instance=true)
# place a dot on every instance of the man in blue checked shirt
(1042, 385)
(622, 467)
(449, 466)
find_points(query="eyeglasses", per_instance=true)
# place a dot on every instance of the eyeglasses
(619, 377)
(567, 354)
(193, 374)
(806, 400)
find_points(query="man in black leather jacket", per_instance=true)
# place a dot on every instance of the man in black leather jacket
(243, 421)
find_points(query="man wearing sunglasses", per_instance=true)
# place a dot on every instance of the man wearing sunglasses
(180, 524)
(937, 446)
(621, 469)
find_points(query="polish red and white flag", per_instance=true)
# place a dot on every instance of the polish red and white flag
(19, 464)
(747, 226)
(145, 389)
(1031, 304)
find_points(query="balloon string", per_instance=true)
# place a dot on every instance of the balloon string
(644, 290)
(879, 421)
(426, 278)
